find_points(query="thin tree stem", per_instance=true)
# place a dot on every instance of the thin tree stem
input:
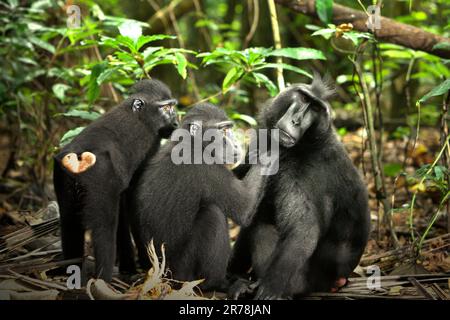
(277, 41)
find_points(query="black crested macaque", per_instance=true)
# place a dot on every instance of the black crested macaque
(94, 170)
(185, 206)
(313, 222)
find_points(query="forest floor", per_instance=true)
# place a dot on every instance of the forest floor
(30, 253)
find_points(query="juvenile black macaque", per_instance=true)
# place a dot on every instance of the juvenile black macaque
(184, 206)
(313, 222)
(92, 172)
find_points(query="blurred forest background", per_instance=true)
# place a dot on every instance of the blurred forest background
(59, 73)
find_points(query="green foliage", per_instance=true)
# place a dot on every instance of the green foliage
(437, 176)
(248, 64)
(69, 135)
(131, 61)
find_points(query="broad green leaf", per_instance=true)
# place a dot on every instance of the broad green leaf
(285, 67)
(69, 135)
(298, 53)
(59, 89)
(232, 77)
(181, 64)
(437, 91)
(105, 75)
(127, 42)
(146, 39)
(83, 114)
(42, 44)
(131, 29)
(93, 86)
(326, 33)
(260, 77)
(149, 51)
(27, 60)
(324, 10)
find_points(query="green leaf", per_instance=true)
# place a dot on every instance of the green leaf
(439, 172)
(127, 42)
(105, 75)
(442, 46)
(131, 29)
(42, 44)
(259, 77)
(298, 53)
(392, 169)
(83, 114)
(149, 51)
(285, 67)
(69, 135)
(437, 91)
(243, 117)
(232, 77)
(93, 86)
(326, 33)
(146, 39)
(59, 90)
(324, 10)
(181, 64)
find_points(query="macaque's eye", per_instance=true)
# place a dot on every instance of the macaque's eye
(167, 108)
(193, 128)
(138, 104)
(303, 99)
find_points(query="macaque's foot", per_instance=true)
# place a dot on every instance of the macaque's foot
(240, 288)
(340, 282)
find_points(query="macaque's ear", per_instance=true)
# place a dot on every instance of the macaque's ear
(74, 165)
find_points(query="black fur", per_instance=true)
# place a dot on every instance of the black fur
(91, 200)
(185, 206)
(313, 222)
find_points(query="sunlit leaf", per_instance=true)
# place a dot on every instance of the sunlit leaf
(298, 53)
(69, 135)
(326, 33)
(232, 76)
(181, 64)
(59, 89)
(83, 114)
(143, 40)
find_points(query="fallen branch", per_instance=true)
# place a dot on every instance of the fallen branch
(391, 31)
